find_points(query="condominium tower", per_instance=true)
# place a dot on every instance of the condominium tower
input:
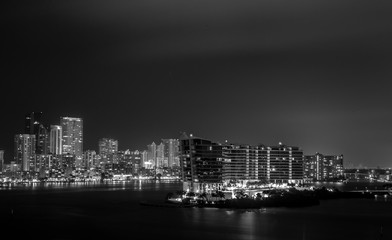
(171, 152)
(107, 149)
(56, 140)
(72, 136)
(35, 126)
(201, 162)
(25, 151)
(320, 167)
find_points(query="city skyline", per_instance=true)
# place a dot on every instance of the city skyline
(55, 139)
(312, 74)
(96, 146)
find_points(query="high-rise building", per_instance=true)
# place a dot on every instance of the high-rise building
(335, 166)
(201, 162)
(136, 161)
(152, 154)
(171, 152)
(313, 167)
(25, 151)
(108, 149)
(90, 159)
(321, 167)
(42, 140)
(144, 160)
(284, 164)
(107, 146)
(72, 136)
(244, 162)
(56, 140)
(161, 156)
(279, 164)
(32, 122)
(133, 162)
(34, 126)
(1, 160)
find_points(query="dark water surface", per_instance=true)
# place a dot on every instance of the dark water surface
(111, 211)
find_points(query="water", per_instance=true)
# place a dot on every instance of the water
(110, 211)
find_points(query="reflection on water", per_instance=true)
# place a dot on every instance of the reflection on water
(160, 185)
(137, 185)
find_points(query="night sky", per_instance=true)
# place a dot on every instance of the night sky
(314, 74)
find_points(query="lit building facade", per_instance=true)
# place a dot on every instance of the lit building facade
(116, 163)
(107, 146)
(201, 161)
(125, 162)
(136, 160)
(171, 152)
(160, 155)
(90, 159)
(284, 164)
(34, 126)
(244, 162)
(152, 154)
(144, 158)
(133, 162)
(321, 167)
(56, 140)
(278, 164)
(107, 150)
(333, 165)
(24, 146)
(72, 136)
